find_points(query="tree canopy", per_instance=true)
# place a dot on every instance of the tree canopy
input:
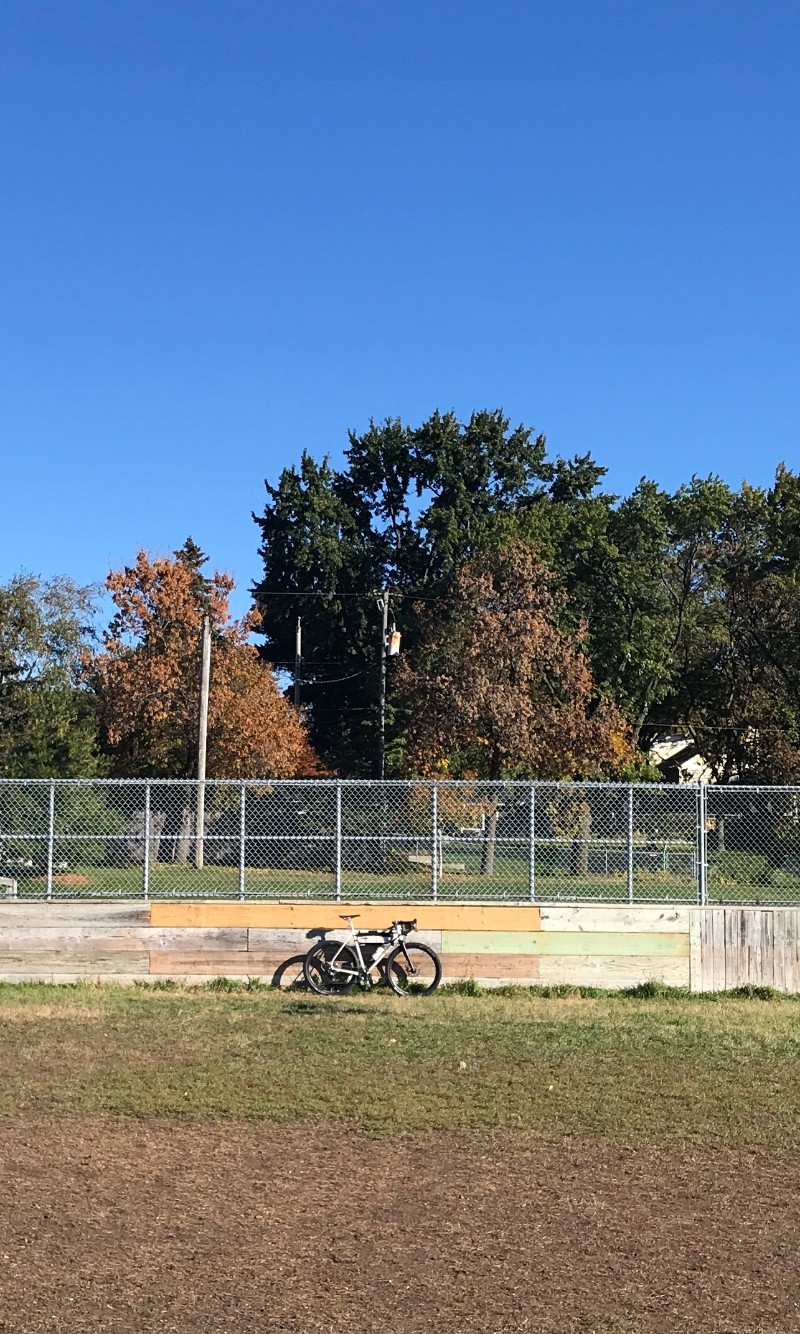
(498, 691)
(685, 605)
(146, 677)
(48, 724)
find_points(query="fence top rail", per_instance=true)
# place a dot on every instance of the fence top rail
(524, 784)
(471, 784)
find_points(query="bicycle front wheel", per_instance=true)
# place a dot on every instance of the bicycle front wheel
(330, 969)
(413, 970)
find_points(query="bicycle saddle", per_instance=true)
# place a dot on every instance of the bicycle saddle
(349, 916)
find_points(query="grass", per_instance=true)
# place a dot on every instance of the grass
(510, 882)
(647, 1065)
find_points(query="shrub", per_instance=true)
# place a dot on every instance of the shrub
(741, 868)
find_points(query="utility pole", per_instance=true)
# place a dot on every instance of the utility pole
(298, 662)
(383, 605)
(390, 647)
(202, 740)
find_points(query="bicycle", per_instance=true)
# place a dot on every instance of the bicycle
(333, 967)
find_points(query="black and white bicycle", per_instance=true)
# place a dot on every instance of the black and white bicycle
(369, 958)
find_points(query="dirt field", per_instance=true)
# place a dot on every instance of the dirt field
(294, 1230)
(268, 1164)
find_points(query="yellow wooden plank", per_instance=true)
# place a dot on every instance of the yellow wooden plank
(328, 916)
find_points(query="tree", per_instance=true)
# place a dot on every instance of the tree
(146, 678)
(407, 510)
(48, 720)
(740, 688)
(497, 690)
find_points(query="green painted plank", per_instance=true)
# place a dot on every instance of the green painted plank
(673, 945)
(491, 942)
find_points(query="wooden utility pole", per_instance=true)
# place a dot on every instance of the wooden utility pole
(298, 662)
(383, 604)
(202, 741)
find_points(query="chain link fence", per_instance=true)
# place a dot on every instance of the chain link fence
(322, 839)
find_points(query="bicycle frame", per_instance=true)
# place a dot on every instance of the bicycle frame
(353, 942)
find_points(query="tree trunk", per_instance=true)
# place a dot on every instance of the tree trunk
(183, 842)
(580, 847)
(489, 843)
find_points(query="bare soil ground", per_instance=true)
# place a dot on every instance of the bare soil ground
(240, 1226)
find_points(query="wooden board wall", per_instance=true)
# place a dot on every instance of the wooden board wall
(597, 945)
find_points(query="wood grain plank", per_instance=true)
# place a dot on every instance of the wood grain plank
(26, 914)
(717, 951)
(778, 949)
(762, 948)
(695, 949)
(612, 917)
(236, 963)
(491, 942)
(611, 972)
(83, 963)
(121, 938)
(791, 949)
(305, 915)
(735, 957)
(65, 938)
(501, 967)
(194, 939)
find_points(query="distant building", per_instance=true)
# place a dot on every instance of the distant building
(679, 760)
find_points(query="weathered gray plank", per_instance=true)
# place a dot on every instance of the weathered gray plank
(695, 949)
(25, 914)
(600, 970)
(712, 949)
(195, 938)
(83, 963)
(614, 917)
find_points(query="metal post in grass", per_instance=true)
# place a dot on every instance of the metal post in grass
(51, 824)
(242, 836)
(532, 845)
(146, 865)
(434, 842)
(630, 843)
(337, 856)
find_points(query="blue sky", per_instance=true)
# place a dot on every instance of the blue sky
(231, 229)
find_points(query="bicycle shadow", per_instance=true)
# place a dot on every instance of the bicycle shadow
(288, 976)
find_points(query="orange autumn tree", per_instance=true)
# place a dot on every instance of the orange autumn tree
(147, 673)
(496, 690)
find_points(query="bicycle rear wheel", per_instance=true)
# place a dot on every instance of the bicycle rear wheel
(330, 969)
(413, 969)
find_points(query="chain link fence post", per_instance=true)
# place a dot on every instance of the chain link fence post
(242, 837)
(702, 844)
(337, 852)
(532, 844)
(51, 820)
(630, 843)
(434, 842)
(146, 839)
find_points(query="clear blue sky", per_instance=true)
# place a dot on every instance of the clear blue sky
(234, 228)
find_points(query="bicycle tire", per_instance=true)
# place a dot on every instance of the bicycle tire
(317, 972)
(426, 966)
